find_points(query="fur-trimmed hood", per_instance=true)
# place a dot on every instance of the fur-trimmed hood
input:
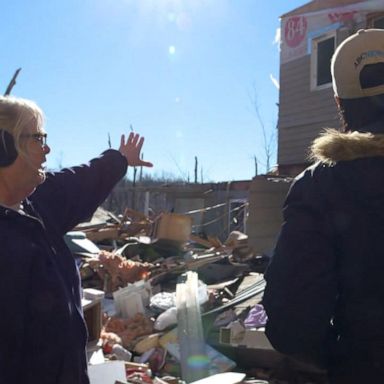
(334, 146)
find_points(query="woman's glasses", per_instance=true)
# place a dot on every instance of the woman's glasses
(40, 137)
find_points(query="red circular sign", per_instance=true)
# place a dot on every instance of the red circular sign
(295, 30)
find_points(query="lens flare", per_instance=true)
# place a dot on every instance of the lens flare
(198, 361)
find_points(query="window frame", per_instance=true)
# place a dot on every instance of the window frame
(372, 17)
(314, 52)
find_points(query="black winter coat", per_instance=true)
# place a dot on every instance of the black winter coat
(43, 334)
(325, 284)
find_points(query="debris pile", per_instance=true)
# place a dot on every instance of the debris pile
(152, 322)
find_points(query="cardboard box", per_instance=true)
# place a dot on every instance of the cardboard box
(238, 336)
(173, 226)
(93, 318)
(250, 346)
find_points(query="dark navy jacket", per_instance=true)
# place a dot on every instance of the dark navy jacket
(43, 334)
(325, 285)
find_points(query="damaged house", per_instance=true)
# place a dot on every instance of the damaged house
(309, 36)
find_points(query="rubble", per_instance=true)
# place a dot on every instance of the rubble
(141, 319)
(116, 271)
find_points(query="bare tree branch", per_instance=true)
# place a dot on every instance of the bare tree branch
(268, 137)
(12, 83)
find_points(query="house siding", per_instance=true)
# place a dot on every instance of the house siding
(302, 113)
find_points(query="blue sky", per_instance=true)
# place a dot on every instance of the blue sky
(181, 72)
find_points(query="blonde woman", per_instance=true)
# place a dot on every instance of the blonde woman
(44, 334)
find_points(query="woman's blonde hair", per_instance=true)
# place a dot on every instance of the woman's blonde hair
(15, 115)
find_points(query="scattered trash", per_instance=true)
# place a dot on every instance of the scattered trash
(164, 305)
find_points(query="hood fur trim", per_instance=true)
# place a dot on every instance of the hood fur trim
(333, 146)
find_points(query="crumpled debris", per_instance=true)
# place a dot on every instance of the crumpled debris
(166, 319)
(225, 318)
(120, 270)
(256, 317)
(128, 329)
(163, 301)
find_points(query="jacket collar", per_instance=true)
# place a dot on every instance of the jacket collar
(28, 212)
(333, 146)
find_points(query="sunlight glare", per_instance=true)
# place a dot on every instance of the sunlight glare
(179, 12)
